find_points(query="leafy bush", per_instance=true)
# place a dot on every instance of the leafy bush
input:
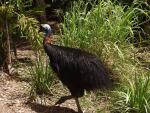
(30, 28)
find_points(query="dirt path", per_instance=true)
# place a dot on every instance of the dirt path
(14, 98)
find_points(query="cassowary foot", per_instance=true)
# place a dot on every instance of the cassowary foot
(63, 99)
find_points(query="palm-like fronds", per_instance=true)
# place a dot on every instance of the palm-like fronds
(30, 28)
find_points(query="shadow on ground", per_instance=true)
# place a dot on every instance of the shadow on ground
(50, 109)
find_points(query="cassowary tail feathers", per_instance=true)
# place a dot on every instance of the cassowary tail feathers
(97, 77)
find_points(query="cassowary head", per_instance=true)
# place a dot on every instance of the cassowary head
(48, 38)
(46, 29)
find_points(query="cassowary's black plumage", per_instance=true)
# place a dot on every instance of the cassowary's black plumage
(77, 69)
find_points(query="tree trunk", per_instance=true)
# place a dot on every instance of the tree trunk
(6, 47)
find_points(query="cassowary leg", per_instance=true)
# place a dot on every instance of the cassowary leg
(78, 105)
(63, 99)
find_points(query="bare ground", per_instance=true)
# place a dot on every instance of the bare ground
(13, 96)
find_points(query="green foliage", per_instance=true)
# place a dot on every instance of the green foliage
(30, 28)
(106, 21)
(21, 5)
(14, 11)
(15, 14)
(12, 8)
(120, 58)
(134, 96)
(6, 14)
(41, 77)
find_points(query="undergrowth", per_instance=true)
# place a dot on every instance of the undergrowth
(41, 77)
(134, 96)
(106, 30)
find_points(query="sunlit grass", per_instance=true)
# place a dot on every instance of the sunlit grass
(134, 96)
(41, 77)
(106, 21)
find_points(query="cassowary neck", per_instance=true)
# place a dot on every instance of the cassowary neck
(47, 39)
(48, 47)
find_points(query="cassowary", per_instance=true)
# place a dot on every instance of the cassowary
(77, 69)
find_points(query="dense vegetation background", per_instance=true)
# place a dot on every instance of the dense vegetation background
(118, 32)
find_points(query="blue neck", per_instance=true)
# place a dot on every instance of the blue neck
(48, 33)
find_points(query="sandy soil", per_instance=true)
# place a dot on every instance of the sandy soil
(13, 96)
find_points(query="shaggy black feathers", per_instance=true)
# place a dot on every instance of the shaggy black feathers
(77, 69)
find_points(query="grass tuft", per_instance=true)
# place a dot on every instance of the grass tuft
(133, 97)
(41, 77)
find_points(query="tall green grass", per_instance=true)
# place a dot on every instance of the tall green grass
(134, 97)
(105, 22)
(41, 77)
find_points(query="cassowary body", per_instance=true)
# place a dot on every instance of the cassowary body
(77, 69)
